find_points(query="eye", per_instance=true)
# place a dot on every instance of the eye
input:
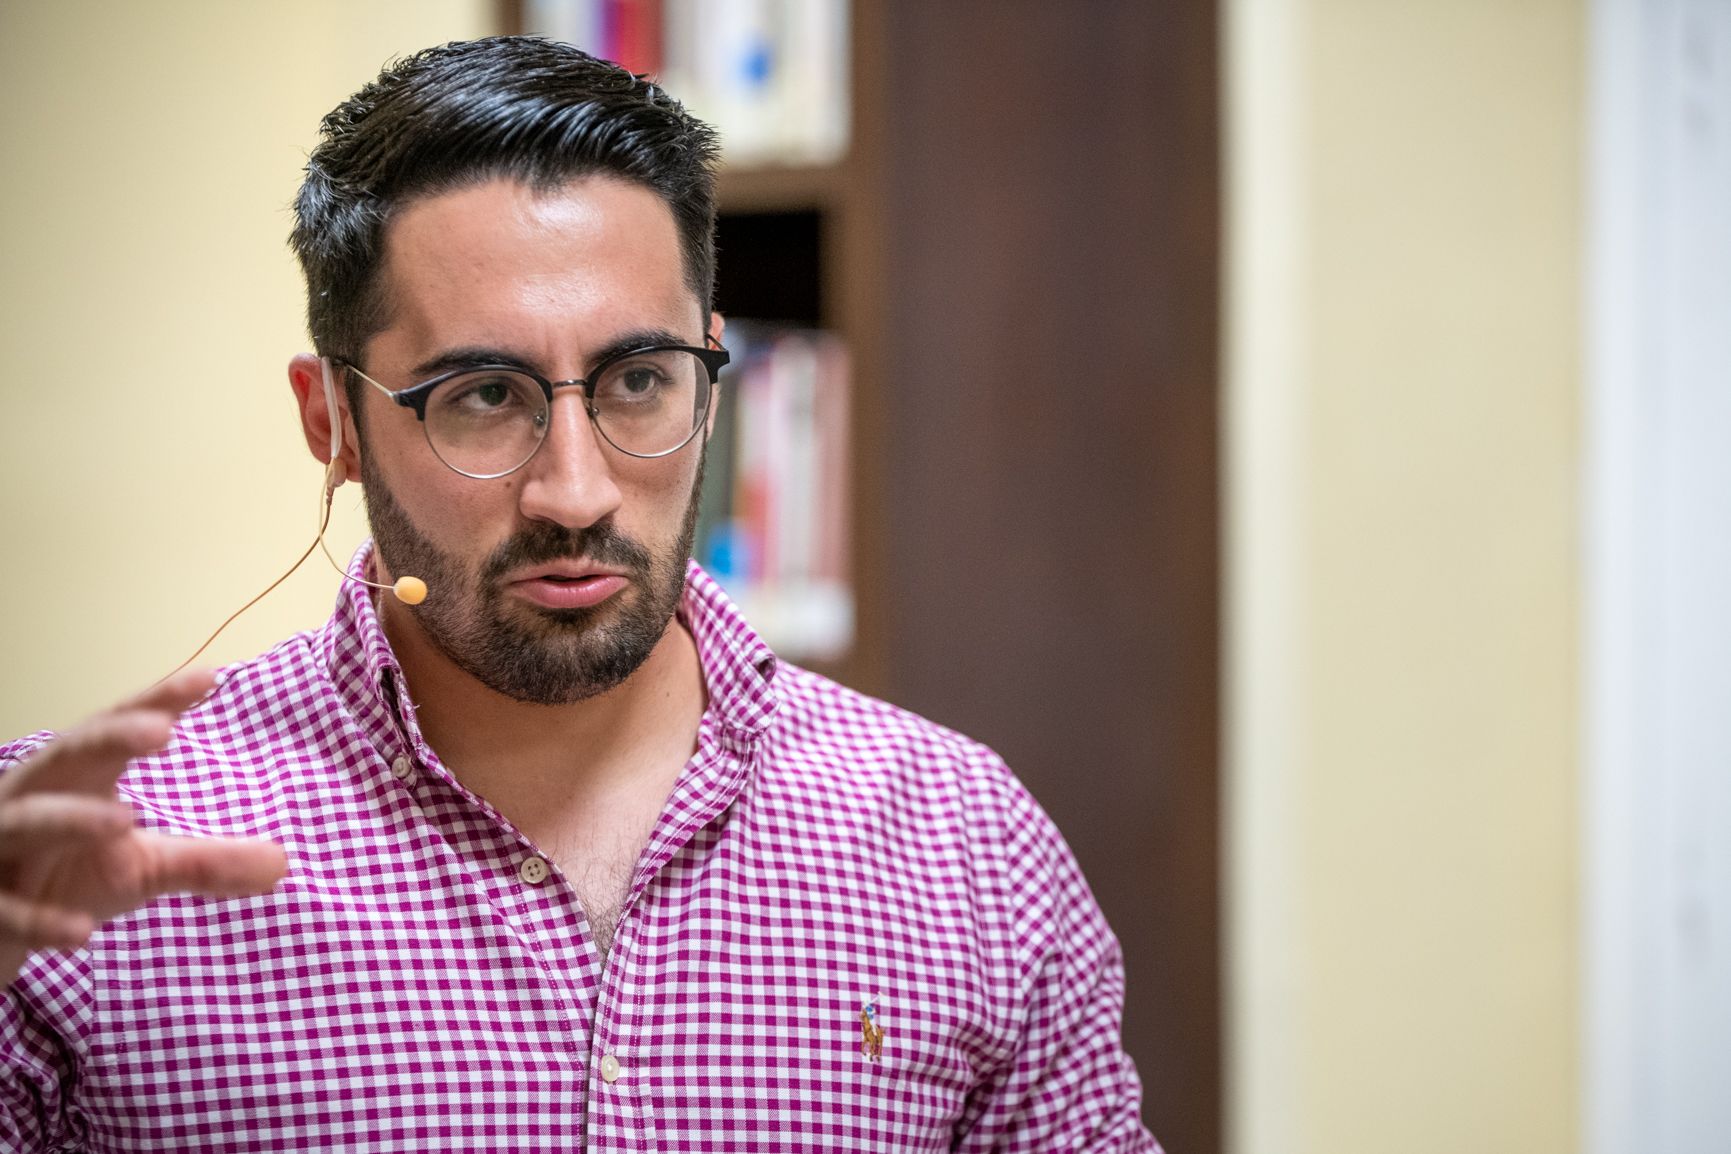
(639, 379)
(488, 393)
(485, 394)
(634, 382)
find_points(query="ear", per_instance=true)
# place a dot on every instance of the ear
(318, 420)
(717, 326)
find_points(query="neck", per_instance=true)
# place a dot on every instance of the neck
(642, 730)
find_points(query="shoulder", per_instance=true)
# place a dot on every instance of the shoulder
(233, 748)
(259, 702)
(845, 739)
(832, 746)
(266, 736)
(930, 811)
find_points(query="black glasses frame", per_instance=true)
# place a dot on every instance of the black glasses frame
(415, 396)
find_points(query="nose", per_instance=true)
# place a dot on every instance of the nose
(569, 480)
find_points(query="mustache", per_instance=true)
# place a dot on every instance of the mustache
(544, 542)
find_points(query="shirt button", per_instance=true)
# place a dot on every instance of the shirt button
(402, 768)
(610, 1069)
(534, 870)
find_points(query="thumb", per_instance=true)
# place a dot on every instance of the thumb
(215, 867)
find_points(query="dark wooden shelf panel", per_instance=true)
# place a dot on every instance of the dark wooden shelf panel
(1042, 577)
(777, 188)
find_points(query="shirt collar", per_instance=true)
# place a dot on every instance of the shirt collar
(362, 667)
(738, 667)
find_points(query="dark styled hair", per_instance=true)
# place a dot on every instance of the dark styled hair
(532, 110)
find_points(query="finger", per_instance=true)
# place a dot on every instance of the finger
(44, 820)
(215, 867)
(37, 926)
(176, 694)
(90, 757)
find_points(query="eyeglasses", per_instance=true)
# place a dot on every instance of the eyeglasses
(487, 421)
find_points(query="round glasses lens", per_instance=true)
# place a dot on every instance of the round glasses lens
(487, 422)
(650, 403)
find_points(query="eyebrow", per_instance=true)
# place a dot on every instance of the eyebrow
(474, 356)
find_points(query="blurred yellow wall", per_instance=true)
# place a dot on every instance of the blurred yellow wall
(1405, 221)
(154, 476)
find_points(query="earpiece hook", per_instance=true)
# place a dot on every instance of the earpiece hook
(334, 472)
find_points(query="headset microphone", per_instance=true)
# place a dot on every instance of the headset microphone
(408, 590)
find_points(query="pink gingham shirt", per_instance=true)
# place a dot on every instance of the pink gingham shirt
(423, 979)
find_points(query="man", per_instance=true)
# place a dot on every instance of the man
(562, 854)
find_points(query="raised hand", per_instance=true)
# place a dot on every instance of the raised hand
(71, 855)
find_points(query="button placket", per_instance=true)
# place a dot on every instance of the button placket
(616, 1020)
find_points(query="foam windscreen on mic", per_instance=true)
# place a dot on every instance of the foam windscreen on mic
(410, 590)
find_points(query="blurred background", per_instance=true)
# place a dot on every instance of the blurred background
(1295, 433)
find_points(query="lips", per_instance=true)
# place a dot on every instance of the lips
(568, 586)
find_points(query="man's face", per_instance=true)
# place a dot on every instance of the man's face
(554, 583)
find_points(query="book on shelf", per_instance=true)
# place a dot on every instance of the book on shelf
(770, 75)
(628, 32)
(774, 526)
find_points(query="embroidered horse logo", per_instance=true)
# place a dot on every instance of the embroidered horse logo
(871, 1040)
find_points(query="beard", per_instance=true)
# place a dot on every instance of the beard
(528, 653)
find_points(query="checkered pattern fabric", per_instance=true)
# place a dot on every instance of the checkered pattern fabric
(828, 867)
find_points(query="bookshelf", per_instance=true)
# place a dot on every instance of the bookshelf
(777, 516)
(1020, 248)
